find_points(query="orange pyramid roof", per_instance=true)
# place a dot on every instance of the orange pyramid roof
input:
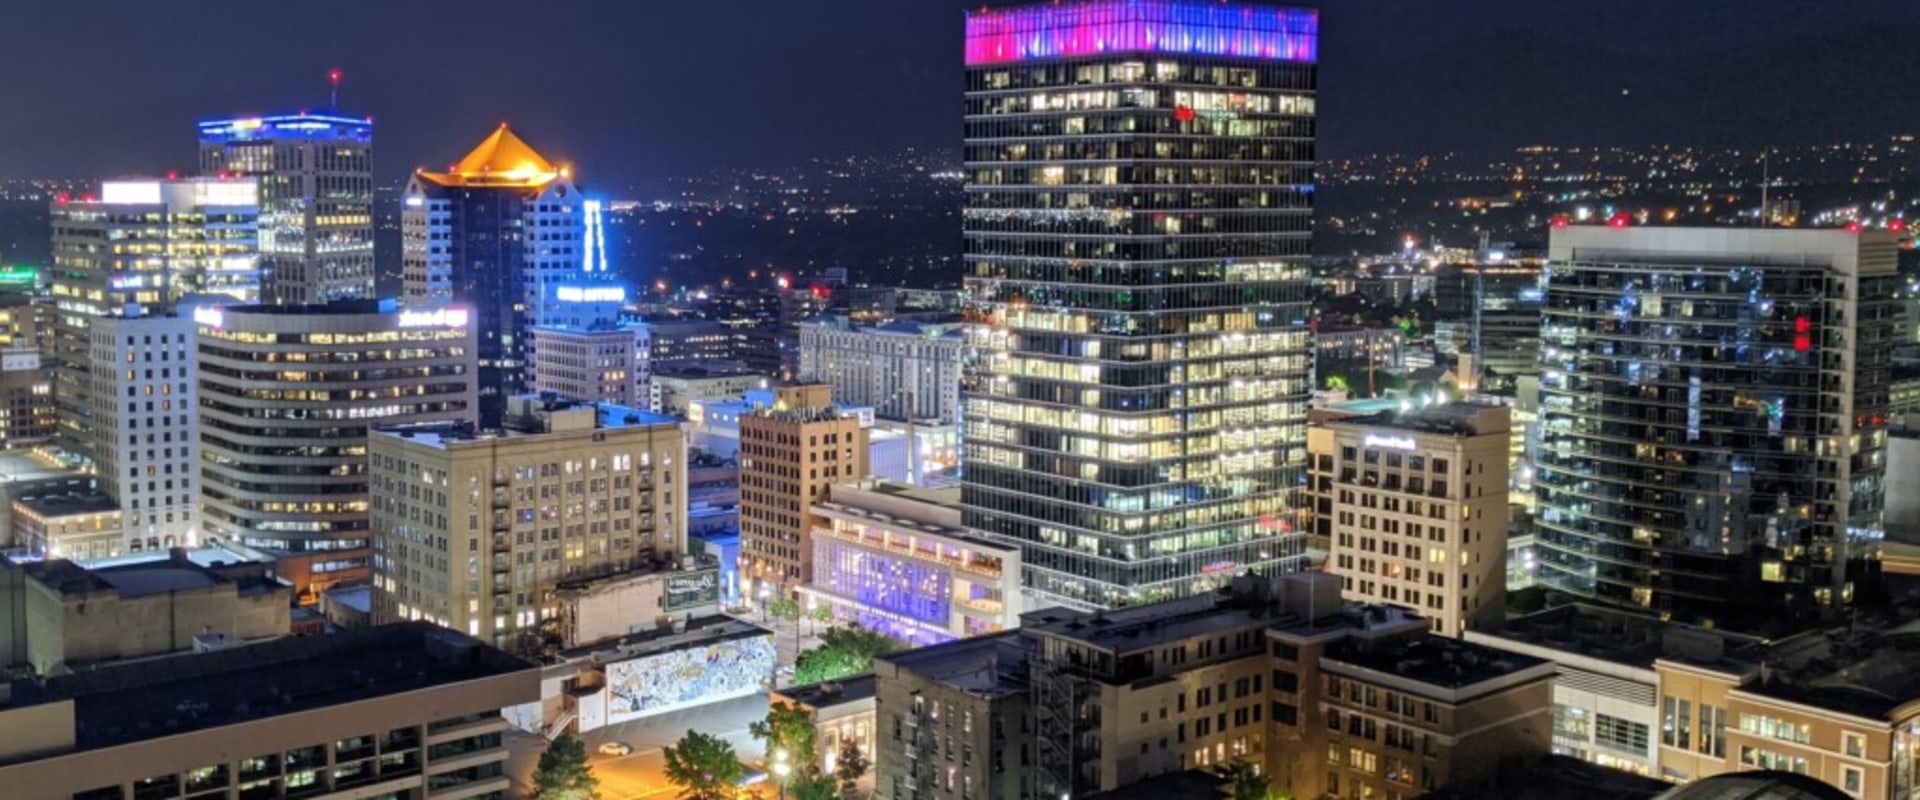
(501, 159)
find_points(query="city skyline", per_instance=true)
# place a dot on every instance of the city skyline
(579, 106)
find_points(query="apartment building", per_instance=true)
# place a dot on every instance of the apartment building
(565, 492)
(791, 453)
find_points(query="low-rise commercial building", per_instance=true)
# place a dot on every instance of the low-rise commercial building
(398, 711)
(675, 387)
(56, 615)
(842, 711)
(895, 558)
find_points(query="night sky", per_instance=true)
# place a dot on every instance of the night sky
(631, 90)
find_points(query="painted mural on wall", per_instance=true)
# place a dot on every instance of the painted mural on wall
(687, 677)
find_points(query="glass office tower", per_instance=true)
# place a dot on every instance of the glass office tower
(316, 200)
(1714, 414)
(1139, 209)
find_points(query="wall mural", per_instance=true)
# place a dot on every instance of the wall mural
(696, 675)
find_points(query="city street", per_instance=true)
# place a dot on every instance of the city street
(642, 773)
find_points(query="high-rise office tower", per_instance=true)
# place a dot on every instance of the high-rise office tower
(288, 394)
(1139, 205)
(135, 251)
(316, 200)
(1714, 408)
(499, 232)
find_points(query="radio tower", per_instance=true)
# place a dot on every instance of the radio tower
(333, 94)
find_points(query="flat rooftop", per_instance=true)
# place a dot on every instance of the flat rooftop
(24, 465)
(169, 696)
(69, 505)
(608, 417)
(827, 694)
(1135, 628)
(991, 666)
(1189, 784)
(1433, 660)
(1450, 419)
(703, 630)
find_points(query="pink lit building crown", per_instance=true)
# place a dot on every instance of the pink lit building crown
(1093, 27)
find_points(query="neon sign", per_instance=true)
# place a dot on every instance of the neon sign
(437, 318)
(591, 294)
(1389, 442)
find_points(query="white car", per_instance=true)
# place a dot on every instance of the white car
(616, 749)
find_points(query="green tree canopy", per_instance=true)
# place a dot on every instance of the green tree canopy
(563, 774)
(704, 767)
(849, 765)
(787, 727)
(843, 652)
(1245, 781)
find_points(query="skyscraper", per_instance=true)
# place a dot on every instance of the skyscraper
(316, 200)
(1714, 411)
(499, 232)
(1139, 206)
(790, 455)
(135, 251)
(288, 394)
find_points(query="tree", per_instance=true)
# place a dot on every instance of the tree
(787, 727)
(704, 767)
(821, 614)
(811, 784)
(562, 773)
(1245, 780)
(843, 652)
(785, 608)
(849, 765)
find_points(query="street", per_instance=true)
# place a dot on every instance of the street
(642, 774)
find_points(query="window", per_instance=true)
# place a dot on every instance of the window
(1853, 780)
(1854, 745)
(1713, 731)
(1619, 734)
(1674, 722)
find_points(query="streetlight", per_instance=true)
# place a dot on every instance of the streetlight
(781, 768)
(765, 592)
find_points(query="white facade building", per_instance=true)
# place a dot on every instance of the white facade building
(605, 365)
(887, 366)
(145, 426)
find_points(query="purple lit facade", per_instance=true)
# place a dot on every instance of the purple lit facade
(1203, 27)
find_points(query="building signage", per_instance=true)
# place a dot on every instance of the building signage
(1389, 442)
(591, 294)
(690, 589)
(18, 275)
(210, 316)
(439, 317)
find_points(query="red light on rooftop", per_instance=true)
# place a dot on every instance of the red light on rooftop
(333, 76)
(1897, 225)
(173, 174)
(62, 198)
(1561, 221)
(1853, 227)
(1619, 220)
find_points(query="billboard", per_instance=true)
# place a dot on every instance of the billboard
(688, 677)
(692, 590)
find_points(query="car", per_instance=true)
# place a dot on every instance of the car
(616, 749)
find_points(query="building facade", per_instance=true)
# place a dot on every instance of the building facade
(1714, 417)
(145, 426)
(678, 387)
(316, 200)
(1420, 512)
(287, 395)
(904, 370)
(399, 711)
(894, 559)
(954, 720)
(499, 233)
(136, 250)
(566, 492)
(791, 453)
(1138, 213)
(27, 415)
(603, 365)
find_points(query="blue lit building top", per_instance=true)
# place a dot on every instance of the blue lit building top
(287, 126)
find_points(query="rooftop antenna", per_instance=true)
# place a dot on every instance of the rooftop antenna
(1766, 181)
(333, 95)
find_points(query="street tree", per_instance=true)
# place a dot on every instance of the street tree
(787, 727)
(811, 784)
(849, 765)
(704, 767)
(1245, 781)
(563, 774)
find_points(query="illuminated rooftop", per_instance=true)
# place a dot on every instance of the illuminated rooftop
(500, 160)
(1083, 28)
